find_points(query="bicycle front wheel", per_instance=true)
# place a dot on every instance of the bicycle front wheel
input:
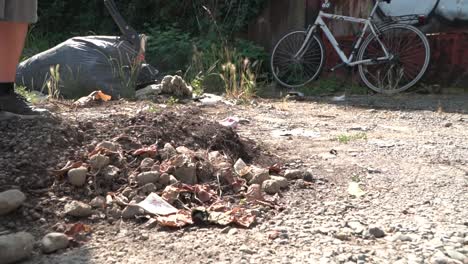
(410, 53)
(293, 67)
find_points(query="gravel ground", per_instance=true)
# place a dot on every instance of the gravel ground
(411, 160)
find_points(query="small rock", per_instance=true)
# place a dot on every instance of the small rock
(283, 182)
(148, 188)
(77, 177)
(308, 176)
(259, 175)
(247, 250)
(11, 200)
(98, 202)
(343, 235)
(16, 247)
(146, 164)
(109, 145)
(448, 124)
(78, 209)
(294, 174)
(225, 230)
(54, 241)
(164, 179)
(401, 237)
(110, 172)
(168, 151)
(99, 161)
(172, 179)
(356, 226)
(147, 177)
(232, 232)
(271, 187)
(214, 155)
(148, 92)
(376, 231)
(187, 174)
(457, 256)
(131, 211)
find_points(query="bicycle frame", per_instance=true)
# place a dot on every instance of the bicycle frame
(320, 23)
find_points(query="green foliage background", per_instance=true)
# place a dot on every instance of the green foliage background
(175, 28)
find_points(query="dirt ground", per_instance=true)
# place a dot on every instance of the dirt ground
(409, 153)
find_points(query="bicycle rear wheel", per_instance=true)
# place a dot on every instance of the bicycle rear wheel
(411, 55)
(295, 71)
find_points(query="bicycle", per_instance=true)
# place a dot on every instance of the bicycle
(393, 57)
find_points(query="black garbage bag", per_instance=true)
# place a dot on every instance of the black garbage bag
(82, 65)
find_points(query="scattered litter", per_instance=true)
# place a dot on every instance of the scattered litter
(341, 98)
(178, 220)
(355, 190)
(63, 171)
(233, 122)
(149, 152)
(96, 96)
(299, 132)
(156, 205)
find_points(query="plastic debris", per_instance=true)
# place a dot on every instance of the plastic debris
(355, 190)
(96, 96)
(150, 151)
(156, 205)
(181, 219)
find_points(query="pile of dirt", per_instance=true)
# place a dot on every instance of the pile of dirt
(29, 147)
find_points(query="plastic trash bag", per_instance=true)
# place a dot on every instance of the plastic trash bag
(86, 64)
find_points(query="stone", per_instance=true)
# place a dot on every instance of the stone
(172, 179)
(401, 237)
(112, 146)
(294, 174)
(308, 176)
(164, 179)
(168, 151)
(110, 172)
(283, 182)
(147, 177)
(271, 187)
(187, 174)
(247, 250)
(99, 161)
(77, 177)
(10, 201)
(148, 92)
(131, 211)
(16, 247)
(356, 226)
(54, 241)
(376, 231)
(78, 209)
(148, 188)
(146, 164)
(457, 256)
(98, 202)
(259, 175)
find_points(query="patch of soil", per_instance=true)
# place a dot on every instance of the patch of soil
(28, 148)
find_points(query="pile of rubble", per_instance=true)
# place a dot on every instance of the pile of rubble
(170, 85)
(167, 187)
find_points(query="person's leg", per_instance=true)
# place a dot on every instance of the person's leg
(15, 15)
(12, 38)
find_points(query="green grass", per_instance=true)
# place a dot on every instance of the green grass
(345, 138)
(32, 97)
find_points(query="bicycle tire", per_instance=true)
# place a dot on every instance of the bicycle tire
(282, 59)
(403, 63)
